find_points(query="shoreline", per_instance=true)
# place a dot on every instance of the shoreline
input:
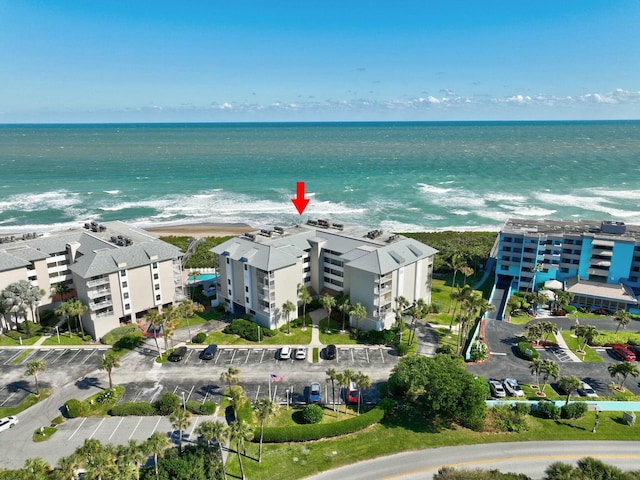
(200, 230)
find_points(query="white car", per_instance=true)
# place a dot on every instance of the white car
(512, 387)
(586, 390)
(497, 390)
(285, 353)
(301, 353)
(7, 423)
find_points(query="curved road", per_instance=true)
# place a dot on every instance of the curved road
(530, 458)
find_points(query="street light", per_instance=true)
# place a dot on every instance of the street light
(287, 390)
(184, 404)
(58, 333)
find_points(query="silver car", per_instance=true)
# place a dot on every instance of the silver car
(497, 390)
(512, 388)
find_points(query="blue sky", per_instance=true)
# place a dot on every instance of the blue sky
(111, 60)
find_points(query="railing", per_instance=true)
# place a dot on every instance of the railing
(101, 305)
(98, 281)
(98, 293)
(97, 316)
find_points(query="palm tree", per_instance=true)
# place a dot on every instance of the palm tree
(132, 454)
(108, 362)
(188, 309)
(264, 409)
(67, 467)
(342, 382)
(344, 305)
(535, 367)
(623, 318)
(35, 469)
(209, 431)
(534, 332)
(32, 298)
(537, 268)
(328, 302)
(548, 328)
(569, 384)
(287, 308)
(587, 333)
(156, 445)
(98, 459)
(622, 371)
(76, 308)
(60, 290)
(359, 312)
(230, 376)
(305, 299)
(362, 381)
(154, 319)
(180, 420)
(467, 271)
(63, 311)
(332, 376)
(13, 299)
(169, 323)
(239, 432)
(549, 369)
(236, 396)
(456, 263)
(402, 304)
(33, 367)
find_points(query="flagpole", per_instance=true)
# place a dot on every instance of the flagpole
(269, 386)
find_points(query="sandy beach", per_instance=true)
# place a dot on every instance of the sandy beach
(200, 230)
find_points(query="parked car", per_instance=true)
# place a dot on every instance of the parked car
(178, 354)
(623, 352)
(209, 352)
(285, 353)
(512, 388)
(7, 423)
(636, 350)
(352, 393)
(301, 353)
(497, 390)
(330, 352)
(314, 393)
(586, 391)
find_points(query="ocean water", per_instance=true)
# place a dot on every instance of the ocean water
(394, 176)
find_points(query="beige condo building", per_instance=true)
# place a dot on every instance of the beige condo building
(118, 271)
(260, 271)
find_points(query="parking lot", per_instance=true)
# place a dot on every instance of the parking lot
(15, 386)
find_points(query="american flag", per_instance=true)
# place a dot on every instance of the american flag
(276, 378)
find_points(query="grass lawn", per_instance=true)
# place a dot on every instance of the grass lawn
(22, 356)
(297, 337)
(520, 319)
(335, 336)
(530, 393)
(46, 434)
(65, 339)
(572, 343)
(30, 401)
(10, 342)
(446, 338)
(96, 409)
(298, 460)
(293, 416)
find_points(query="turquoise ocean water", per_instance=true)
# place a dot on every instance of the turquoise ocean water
(395, 176)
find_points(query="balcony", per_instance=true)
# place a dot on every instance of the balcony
(100, 305)
(98, 316)
(598, 272)
(596, 262)
(98, 281)
(601, 252)
(101, 292)
(598, 242)
(382, 289)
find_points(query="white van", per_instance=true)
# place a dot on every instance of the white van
(285, 353)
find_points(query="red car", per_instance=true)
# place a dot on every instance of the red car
(352, 393)
(624, 353)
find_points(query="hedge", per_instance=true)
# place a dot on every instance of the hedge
(75, 408)
(304, 433)
(110, 338)
(199, 338)
(524, 348)
(245, 412)
(138, 409)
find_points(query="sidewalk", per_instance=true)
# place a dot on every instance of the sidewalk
(562, 345)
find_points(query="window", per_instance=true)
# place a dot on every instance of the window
(126, 295)
(246, 299)
(246, 268)
(246, 289)
(158, 298)
(156, 276)
(227, 261)
(123, 273)
(154, 265)
(229, 291)
(127, 306)
(124, 284)
(157, 286)
(228, 281)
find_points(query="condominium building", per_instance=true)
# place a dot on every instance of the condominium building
(260, 271)
(117, 270)
(597, 261)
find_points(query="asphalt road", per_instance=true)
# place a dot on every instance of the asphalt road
(530, 458)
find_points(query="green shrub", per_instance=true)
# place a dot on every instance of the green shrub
(130, 341)
(199, 338)
(436, 307)
(521, 408)
(243, 328)
(401, 349)
(303, 433)
(548, 410)
(138, 409)
(478, 352)
(245, 412)
(312, 414)
(193, 407)
(105, 396)
(526, 351)
(374, 337)
(110, 338)
(570, 309)
(510, 418)
(387, 404)
(75, 408)
(573, 410)
(167, 404)
(611, 338)
(208, 408)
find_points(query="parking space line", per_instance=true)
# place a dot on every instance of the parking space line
(79, 426)
(381, 354)
(206, 394)
(94, 432)
(92, 352)
(262, 356)
(217, 357)
(233, 355)
(366, 352)
(190, 392)
(195, 424)
(257, 393)
(16, 355)
(137, 396)
(71, 360)
(135, 428)
(175, 389)
(114, 430)
(156, 425)
(352, 358)
(8, 398)
(248, 355)
(59, 356)
(49, 352)
(190, 353)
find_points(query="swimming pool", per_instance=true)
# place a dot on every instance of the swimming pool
(204, 277)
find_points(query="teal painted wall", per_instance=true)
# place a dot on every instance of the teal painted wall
(620, 262)
(585, 255)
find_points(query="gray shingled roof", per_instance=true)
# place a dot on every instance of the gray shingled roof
(391, 257)
(11, 262)
(264, 257)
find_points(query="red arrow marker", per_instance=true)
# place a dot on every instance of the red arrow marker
(300, 202)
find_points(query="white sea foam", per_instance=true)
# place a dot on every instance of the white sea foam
(589, 203)
(112, 192)
(460, 212)
(623, 194)
(60, 199)
(431, 190)
(525, 211)
(505, 197)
